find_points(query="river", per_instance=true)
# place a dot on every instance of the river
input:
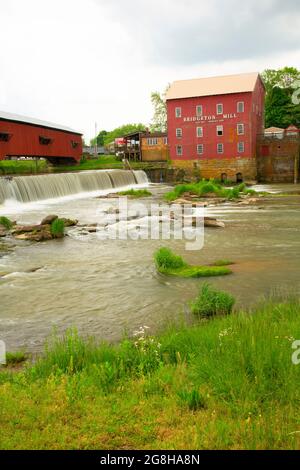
(106, 288)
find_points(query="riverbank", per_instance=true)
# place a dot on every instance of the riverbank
(228, 383)
(105, 162)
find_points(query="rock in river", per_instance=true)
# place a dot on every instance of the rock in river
(49, 219)
(36, 235)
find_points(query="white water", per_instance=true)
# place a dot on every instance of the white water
(28, 189)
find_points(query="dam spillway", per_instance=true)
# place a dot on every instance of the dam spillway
(26, 189)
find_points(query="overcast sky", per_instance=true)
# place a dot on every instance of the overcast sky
(77, 62)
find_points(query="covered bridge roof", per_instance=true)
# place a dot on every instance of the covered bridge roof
(4, 116)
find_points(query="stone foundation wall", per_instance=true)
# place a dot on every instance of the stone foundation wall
(215, 168)
(278, 160)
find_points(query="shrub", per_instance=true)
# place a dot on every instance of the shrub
(6, 222)
(251, 192)
(205, 187)
(165, 259)
(242, 187)
(211, 302)
(208, 187)
(57, 228)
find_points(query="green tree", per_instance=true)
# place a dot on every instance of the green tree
(277, 101)
(123, 130)
(159, 120)
(282, 78)
(100, 139)
(281, 109)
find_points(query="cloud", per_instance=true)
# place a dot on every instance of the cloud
(193, 31)
(79, 61)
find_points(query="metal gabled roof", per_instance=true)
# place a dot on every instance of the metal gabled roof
(211, 86)
(37, 122)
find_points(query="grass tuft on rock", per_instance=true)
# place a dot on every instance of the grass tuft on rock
(165, 259)
(171, 264)
(204, 187)
(136, 193)
(5, 222)
(211, 302)
(57, 228)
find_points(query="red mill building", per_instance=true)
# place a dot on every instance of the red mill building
(213, 124)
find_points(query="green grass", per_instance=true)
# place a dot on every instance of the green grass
(29, 167)
(198, 271)
(13, 359)
(204, 187)
(173, 265)
(136, 193)
(227, 383)
(165, 259)
(223, 262)
(22, 167)
(57, 228)
(211, 302)
(103, 162)
(5, 222)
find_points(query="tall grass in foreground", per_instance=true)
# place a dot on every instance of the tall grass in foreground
(224, 383)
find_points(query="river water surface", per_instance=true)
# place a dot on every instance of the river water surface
(105, 288)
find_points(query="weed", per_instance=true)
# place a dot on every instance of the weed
(211, 302)
(57, 228)
(6, 222)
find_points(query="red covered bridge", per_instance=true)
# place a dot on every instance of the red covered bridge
(22, 136)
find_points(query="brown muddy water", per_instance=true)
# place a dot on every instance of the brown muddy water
(106, 288)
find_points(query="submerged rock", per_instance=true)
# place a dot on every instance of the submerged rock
(33, 270)
(69, 222)
(192, 202)
(211, 222)
(91, 229)
(249, 201)
(208, 222)
(5, 248)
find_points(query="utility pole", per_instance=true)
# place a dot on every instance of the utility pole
(96, 146)
(297, 161)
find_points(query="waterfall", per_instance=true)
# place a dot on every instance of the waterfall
(141, 177)
(41, 187)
